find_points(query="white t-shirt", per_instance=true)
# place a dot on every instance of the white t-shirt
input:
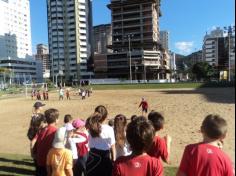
(123, 151)
(106, 139)
(72, 144)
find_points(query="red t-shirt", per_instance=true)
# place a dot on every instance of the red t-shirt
(144, 165)
(44, 144)
(144, 105)
(159, 149)
(205, 160)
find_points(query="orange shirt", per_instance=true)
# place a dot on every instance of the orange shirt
(59, 160)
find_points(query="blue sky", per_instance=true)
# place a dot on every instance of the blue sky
(186, 20)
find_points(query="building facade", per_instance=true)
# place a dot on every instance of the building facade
(219, 50)
(23, 70)
(15, 30)
(135, 40)
(102, 39)
(43, 56)
(69, 31)
(102, 36)
(164, 39)
(194, 58)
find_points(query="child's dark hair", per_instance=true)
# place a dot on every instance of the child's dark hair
(111, 122)
(214, 126)
(133, 117)
(67, 118)
(140, 134)
(120, 123)
(93, 124)
(51, 115)
(102, 110)
(157, 120)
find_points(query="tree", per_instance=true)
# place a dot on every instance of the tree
(202, 70)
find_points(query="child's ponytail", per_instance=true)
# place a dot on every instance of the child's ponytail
(93, 125)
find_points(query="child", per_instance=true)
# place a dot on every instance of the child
(38, 95)
(67, 122)
(47, 96)
(206, 158)
(140, 134)
(101, 143)
(61, 94)
(67, 94)
(79, 145)
(59, 159)
(44, 95)
(36, 119)
(144, 106)
(43, 141)
(160, 147)
(122, 147)
(83, 94)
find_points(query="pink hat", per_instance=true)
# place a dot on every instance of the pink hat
(78, 123)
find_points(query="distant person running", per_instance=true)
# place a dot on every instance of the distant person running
(144, 106)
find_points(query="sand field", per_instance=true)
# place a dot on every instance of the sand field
(183, 109)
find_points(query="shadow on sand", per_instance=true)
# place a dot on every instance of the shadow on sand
(215, 95)
(16, 167)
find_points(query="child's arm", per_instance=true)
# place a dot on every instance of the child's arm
(113, 152)
(168, 144)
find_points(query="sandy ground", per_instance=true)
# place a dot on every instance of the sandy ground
(184, 111)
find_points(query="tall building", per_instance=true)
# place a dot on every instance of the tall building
(216, 48)
(164, 39)
(194, 58)
(135, 40)
(43, 56)
(69, 31)
(15, 30)
(102, 36)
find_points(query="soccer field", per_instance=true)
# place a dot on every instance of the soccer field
(184, 110)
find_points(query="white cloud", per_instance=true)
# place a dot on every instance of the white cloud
(184, 47)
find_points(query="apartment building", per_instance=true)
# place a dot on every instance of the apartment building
(216, 48)
(15, 30)
(164, 39)
(43, 56)
(69, 31)
(23, 70)
(135, 40)
(102, 38)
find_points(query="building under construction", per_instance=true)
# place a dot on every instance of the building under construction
(137, 53)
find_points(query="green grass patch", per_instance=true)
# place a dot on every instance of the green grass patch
(22, 165)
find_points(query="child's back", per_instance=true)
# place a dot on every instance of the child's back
(142, 165)
(205, 159)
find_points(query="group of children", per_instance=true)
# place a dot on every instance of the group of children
(37, 95)
(94, 148)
